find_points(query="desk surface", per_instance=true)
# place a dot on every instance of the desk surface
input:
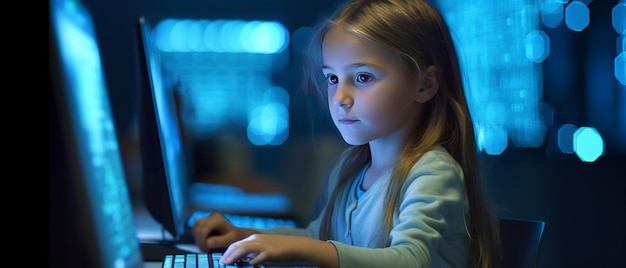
(152, 264)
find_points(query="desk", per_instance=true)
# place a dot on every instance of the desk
(149, 229)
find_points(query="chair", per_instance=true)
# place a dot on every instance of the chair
(521, 242)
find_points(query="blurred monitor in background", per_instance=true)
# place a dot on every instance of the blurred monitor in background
(91, 221)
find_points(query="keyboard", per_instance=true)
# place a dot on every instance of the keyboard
(200, 260)
(212, 260)
(245, 221)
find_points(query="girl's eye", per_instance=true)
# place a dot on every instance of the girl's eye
(363, 78)
(332, 79)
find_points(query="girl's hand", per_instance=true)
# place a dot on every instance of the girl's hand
(281, 248)
(215, 231)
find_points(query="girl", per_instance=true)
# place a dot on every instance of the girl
(407, 192)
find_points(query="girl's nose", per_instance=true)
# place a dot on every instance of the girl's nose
(342, 96)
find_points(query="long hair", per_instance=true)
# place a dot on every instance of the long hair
(415, 30)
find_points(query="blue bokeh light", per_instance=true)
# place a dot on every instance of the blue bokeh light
(492, 140)
(229, 36)
(619, 18)
(537, 46)
(552, 13)
(620, 68)
(211, 36)
(565, 138)
(577, 16)
(588, 144)
(269, 37)
(268, 123)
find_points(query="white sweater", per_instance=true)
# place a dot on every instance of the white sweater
(429, 230)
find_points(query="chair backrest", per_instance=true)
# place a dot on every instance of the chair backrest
(521, 242)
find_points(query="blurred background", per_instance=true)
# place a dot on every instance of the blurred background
(545, 78)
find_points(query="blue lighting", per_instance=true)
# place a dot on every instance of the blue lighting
(620, 68)
(229, 36)
(268, 123)
(576, 16)
(565, 138)
(493, 141)
(619, 18)
(501, 49)
(224, 69)
(552, 13)
(178, 35)
(268, 37)
(537, 46)
(588, 144)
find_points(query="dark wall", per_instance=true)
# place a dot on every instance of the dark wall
(582, 203)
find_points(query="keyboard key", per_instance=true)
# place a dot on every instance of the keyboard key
(193, 260)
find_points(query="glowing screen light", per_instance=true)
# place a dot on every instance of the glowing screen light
(588, 144)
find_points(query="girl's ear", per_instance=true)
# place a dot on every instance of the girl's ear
(429, 85)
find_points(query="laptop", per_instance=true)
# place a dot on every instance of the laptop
(90, 217)
(168, 195)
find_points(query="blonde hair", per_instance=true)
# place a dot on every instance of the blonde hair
(416, 30)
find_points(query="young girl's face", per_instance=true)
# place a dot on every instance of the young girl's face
(371, 92)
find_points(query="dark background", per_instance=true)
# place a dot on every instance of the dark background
(582, 203)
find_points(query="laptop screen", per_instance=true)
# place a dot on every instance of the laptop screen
(164, 161)
(91, 221)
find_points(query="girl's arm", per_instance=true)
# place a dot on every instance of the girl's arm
(282, 248)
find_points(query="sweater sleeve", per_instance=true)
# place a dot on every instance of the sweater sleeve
(312, 230)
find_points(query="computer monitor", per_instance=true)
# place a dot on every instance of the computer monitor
(169, 194)
(164, 162)
(91, 222)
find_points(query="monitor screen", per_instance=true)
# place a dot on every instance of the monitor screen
(91, 222)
